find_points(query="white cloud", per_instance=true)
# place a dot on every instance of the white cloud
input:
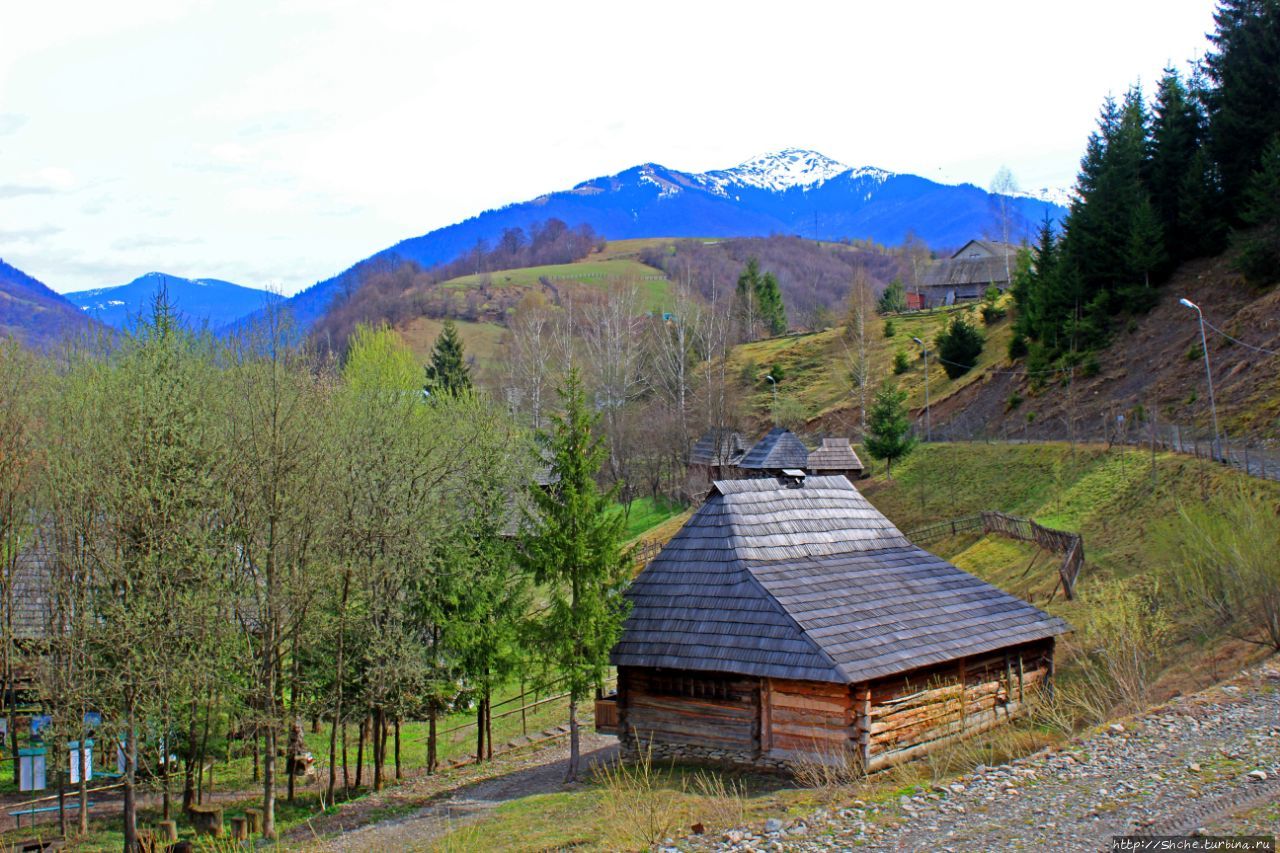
(298, 136)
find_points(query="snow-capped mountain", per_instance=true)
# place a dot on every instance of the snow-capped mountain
(792, 191)
(782, 170)
(197, 300)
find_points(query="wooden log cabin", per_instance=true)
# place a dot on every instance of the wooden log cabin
(791, 619)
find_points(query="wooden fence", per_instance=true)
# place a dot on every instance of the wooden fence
(1069, 545)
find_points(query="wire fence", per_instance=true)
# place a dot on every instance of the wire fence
(1124, 430)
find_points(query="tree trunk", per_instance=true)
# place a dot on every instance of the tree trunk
(398, 776)
(364, 724)
(431, 738)
(488, 721)
(571, 775)
(83, 790)
(189, 781)
(379, 746)
(269, 781)
(480, 730)
(338, 710)
(62, 804)
(130, 778)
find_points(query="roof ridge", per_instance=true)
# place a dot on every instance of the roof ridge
(781, 608)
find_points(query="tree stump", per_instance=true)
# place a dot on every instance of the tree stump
(181, 847)
(240, 828)
(207, 820)
(167, 830)
(254, 816)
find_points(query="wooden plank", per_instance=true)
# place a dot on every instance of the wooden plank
(835, 706)
(766, 711)
(862, 707)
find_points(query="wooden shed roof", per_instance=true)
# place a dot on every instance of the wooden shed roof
(778, 449)
(718, 447)
(835, 454)
(810, 582)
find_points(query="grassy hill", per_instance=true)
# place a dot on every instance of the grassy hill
(816, 367)
(591, 271)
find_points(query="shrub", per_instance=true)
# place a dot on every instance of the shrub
(777, 372)
(889, 329)
(901, 362)
(959, 347)
(1017, 346)
(1121, 637)
(894, 298)
(1090, 368)
(1195, 351)
(1220, 561)
(1014, 401)
(992, 314)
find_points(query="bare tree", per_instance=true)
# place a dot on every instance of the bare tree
(854, 341)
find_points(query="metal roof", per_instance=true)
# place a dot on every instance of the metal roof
(810, 582)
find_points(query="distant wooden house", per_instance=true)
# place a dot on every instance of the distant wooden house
(715, 456)
(793, 619)
(778, 452)
(966, 275)
(835, 457)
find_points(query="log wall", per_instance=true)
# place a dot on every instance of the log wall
(909, 715)
(662, 707)
(765, 722)
(809, 718)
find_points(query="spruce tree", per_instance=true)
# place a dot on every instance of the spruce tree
(893, 299)
(1177, 130)
(759, 301)
(1259, 258)
(889, 427)
(572, 548)
(959, 346)
(1146, 256)
(1244, 112)
(447, 372)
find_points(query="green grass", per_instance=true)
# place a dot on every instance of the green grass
(647, 513)
(653, 285)
(816, 366)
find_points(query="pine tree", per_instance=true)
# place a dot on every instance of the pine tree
(447, 372)
(1177, 131)
(893, 299)
(959, 346)
(889, 427)
(759, 301)
(573, 549)
(1146, 256)
(1244, 113)
(1259, 258)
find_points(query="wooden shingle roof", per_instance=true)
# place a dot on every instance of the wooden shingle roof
(835, 454)
(810, 582)
(778, 449)
(717, 447)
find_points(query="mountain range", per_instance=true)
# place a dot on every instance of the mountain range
(198, 301)
(793, 191)
(33, 313)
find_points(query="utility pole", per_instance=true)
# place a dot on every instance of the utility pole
(1204, 348)
(774, 384)
(928, 424)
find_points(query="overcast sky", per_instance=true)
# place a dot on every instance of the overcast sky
(275, 142)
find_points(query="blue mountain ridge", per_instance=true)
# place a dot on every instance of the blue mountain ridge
(32, 312)
(198, 301)
(759, 198)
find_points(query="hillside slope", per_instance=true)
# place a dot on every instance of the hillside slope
(787, 192)
(33, 313)
(1153, 368)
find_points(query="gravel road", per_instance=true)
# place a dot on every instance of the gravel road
(1207, 761)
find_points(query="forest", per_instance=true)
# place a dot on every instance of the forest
(232, 537)
(1161, 182)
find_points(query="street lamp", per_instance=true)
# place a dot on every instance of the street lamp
(1204, 347)
(928, 424)
(774, 383)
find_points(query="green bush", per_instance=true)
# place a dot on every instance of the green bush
(1195, 351)
(777, 372)
(1090, 368)
(1017, 346)
(959, 347)
(901, 362)
(894, 298)
(1014, 401)
(992, 314)
(889, 329)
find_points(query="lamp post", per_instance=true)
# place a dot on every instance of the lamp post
(1204, 348)
(928, 424)
(774, 384)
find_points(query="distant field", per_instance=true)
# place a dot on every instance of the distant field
(481, 340)
(654, 287)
